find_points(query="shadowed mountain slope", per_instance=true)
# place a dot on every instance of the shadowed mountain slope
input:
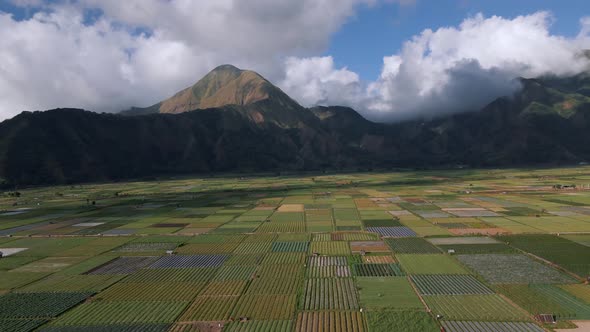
(234, 120)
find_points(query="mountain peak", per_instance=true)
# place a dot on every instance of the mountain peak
(224, 85)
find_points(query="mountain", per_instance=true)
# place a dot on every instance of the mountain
(228, 85)
(241, 122)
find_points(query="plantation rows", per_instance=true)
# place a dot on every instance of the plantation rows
(376, 270)
(454, 326)
(122, 312)
(178, 261)
(123, 265)
(32, 305)
(474, 307)
(330, 321)
(449, 285)
(329, 294)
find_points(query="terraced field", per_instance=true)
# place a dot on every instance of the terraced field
(379, 252)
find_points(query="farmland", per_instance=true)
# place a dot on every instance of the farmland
(483, 250)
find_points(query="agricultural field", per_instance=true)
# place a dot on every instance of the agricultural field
(467, 250)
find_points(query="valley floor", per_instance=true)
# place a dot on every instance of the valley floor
(465, 250)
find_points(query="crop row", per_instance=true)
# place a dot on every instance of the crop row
(107, 312)
(449, 285)
(412, 246)
(330, 321)
(289, 246)
(265, 307)
(376, 270)
(326, 261)
(30, 305)
(123, 265)
(328, 272)
(154, 291)
(178, 261)
(172, 275)
(455, 326)
(329, 294)
(474, 307)
(336, 248)
(274, 286)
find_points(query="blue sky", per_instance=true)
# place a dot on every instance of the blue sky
(380, 30)
(108, 55)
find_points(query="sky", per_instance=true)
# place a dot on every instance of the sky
(391, 60)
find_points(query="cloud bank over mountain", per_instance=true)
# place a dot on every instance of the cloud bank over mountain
(109, 55)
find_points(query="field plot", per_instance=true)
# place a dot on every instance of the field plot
(282, 227)
(454, 326)
(75, 283)
(283, 258)
(412, 246)
(378, 259)
(123, 265)
(512, 269)
(400, 320)
(465, 249)
(154, 291)
(580, 309)
(274, 286)
(353, 236)
(534, 301)
(377, 270)
(330, 248)
(580, 291)
(474, 307)
(109, 328)
(227, 288)
(400, 231)
(567, 254)
(328, 272)
(330, 321)
(430, 264)
(265, 307)
(172, 275)
(326, 261)
(260, 326)
(189, 261)
(462, 240)
(391, 293)
(329, 294)
(253, 248)
(121, 312)
(42, 305)
(149, 246)
(289, 246)
(207, 248)
(19, 325)
(369, 247)
(235, 272)
(449, 285)
(209, 308)
(280, 271)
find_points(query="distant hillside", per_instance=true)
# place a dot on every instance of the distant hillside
(254, 126)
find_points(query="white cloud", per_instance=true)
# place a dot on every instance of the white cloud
(464, 68)
(315, 81)
(60, 58)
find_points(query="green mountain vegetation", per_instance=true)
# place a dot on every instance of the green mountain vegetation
(235, 120)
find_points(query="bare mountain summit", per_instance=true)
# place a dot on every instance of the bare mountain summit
(225, 85)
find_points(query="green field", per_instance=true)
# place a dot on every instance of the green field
(294, 252)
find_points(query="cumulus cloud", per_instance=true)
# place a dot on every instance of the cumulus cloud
(452, 69)
(108, 55)
(316, 81)
(464, 68)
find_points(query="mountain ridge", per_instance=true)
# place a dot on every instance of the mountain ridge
(546, 122)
